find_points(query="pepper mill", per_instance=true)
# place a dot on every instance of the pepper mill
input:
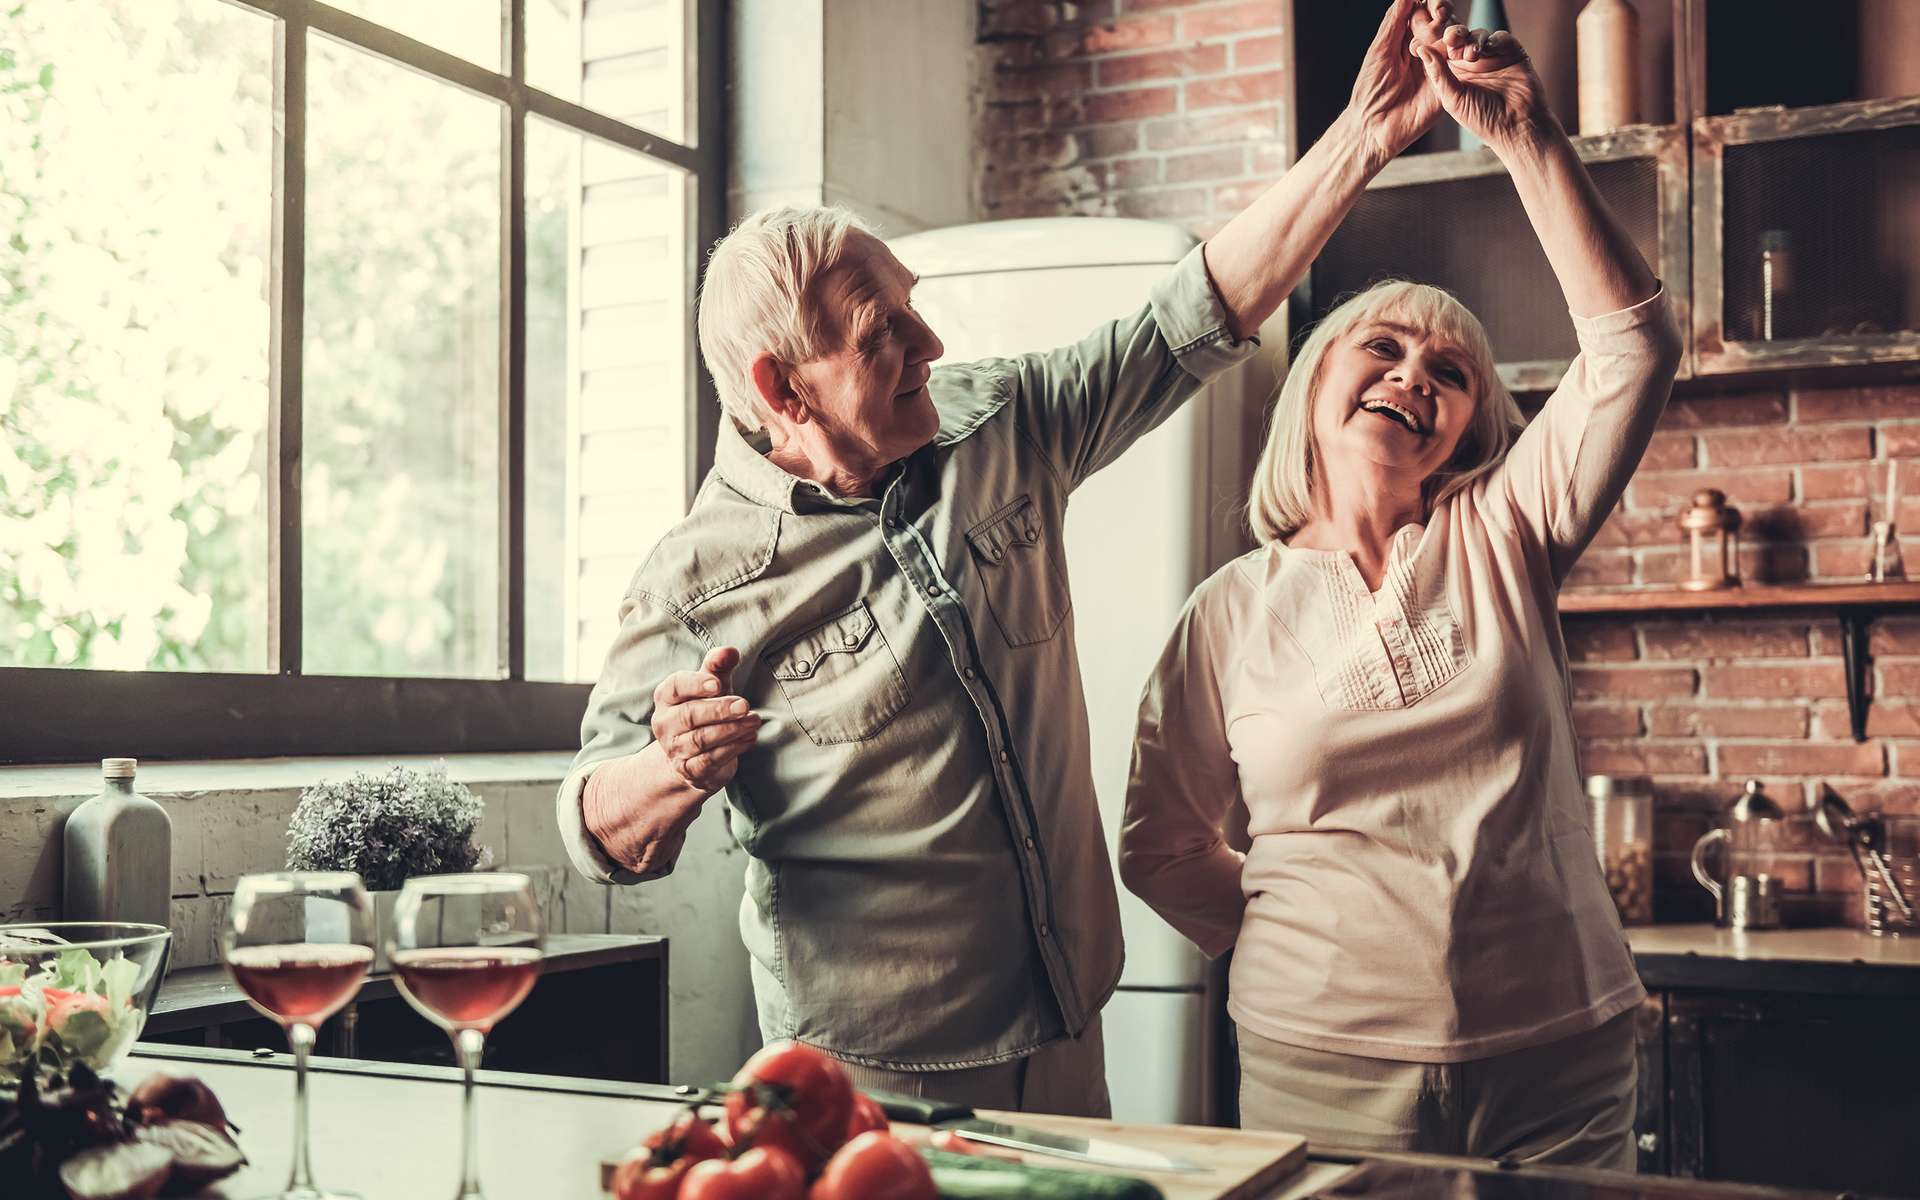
(118, 854)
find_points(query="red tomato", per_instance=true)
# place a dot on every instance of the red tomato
(762, 1173)
(638, 1179)
(867, 1114)
(689, 1137)
(875, 1166)
(794, 1098)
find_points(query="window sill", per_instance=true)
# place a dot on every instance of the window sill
(61, 781)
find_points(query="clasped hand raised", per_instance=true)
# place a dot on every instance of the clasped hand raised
(1423, 62)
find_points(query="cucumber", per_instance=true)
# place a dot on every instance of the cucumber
(965, 1177)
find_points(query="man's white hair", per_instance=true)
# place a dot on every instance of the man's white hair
(755, 298)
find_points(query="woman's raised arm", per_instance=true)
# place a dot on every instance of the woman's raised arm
(1484, 81)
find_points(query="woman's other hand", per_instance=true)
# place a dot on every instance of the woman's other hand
(1482, 78)
(1392, 102)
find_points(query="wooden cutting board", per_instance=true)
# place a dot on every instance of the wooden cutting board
(1242, 1165)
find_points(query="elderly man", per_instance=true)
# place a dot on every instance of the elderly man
(862, 633)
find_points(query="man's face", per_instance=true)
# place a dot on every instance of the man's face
(869, 394)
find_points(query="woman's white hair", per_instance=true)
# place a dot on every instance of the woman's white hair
(754, 299)
(1281, 500)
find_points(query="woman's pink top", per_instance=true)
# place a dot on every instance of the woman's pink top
(1421, 884)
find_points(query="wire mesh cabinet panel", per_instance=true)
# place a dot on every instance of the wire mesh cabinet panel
(1454, 220)
(1806, 226)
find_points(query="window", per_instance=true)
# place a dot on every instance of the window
(346, 363)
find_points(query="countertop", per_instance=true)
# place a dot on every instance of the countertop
(392, 1133)
(1848, 962)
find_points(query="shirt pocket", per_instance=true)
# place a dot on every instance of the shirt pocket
(841, 679)
(1025, 587)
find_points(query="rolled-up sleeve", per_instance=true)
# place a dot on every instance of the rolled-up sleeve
(1569, 467)
(1085, 403)
(1173, 853)
(652, 644)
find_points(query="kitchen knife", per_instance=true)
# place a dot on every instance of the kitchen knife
(961, 1120)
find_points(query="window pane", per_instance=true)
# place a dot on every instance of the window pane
(468, 28)
(135, 200)
(625, 58)
(400, 502)
(608, 330)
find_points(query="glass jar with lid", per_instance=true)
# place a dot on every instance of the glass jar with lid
(1622, 816)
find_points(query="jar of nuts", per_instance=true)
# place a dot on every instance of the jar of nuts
(1622, 813)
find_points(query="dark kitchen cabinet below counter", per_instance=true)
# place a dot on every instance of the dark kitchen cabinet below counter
(1789, 1058)
(598, 1012)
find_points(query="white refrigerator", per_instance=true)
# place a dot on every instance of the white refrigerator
(1139, 536)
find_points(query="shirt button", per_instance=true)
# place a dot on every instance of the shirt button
(967, 672)
(1003, 758)
(1029, 843)
(1046, 931)
(852, 640)
(933, 589)
(800, 664)
(893, 522)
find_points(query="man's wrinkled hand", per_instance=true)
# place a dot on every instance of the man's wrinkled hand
(701, 727)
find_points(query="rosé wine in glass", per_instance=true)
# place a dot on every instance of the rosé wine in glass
(300, 981)
(467, 987)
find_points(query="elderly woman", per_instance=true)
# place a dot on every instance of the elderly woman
(1426, 956)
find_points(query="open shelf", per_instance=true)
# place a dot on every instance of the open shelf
(1836, 596)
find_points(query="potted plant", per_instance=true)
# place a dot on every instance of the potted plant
(387, 827)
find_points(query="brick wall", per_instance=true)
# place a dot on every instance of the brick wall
(1702, 704)
(1166, 109)
(1175, 110)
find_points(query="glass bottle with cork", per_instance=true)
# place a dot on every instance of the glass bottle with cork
(118, 854)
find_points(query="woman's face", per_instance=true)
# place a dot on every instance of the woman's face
(1391, 395)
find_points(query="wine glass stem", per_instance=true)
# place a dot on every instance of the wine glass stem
(467, 1045)
(301, 1036)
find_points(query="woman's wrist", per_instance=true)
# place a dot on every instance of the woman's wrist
(1365, 142)
(1532, 143)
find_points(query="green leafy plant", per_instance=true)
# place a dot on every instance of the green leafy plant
(388, 827)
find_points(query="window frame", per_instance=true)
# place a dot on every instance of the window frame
(66, 714)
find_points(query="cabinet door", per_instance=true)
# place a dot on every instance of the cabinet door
(1794, 1091)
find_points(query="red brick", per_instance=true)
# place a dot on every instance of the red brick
(1162, 204)
(1226, 163)
(1017, 20)
(1129, 173)
(1120, 36)
(1803, 758)
(1022, 150)
(1850, 560)
(1727, 720)
(1266, 51)
(1258, 17)
(1710, 412)
(1858, 404)
(1758, 564)
(1679, 830)
(1884, 720)
(1906, 757)
(1803, 522)
(1021, 117)
(1606, 721)
(1777, 681)
(1271, 158)
(1901, 441)
(1894, 796)
(1109, 141)
(1671, 490)
(1035, 83)
(1641, 527)
(1249, 125)
(1697, 639)
(1762, 447)
(1134, 104)
(1849, 482)
(1642, 758)
(1668, 452)
(1632, 683)
(1896, 635)
(1898, 681)
(1255, 88)
(1161, 64)
(1598, 641)
(1601, 568)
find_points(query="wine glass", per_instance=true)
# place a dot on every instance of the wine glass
(299, 944)
(466, 951)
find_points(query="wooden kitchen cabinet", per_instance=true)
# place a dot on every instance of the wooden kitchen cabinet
(1790, 1090)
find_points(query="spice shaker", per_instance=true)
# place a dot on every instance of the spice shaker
(118, 854)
